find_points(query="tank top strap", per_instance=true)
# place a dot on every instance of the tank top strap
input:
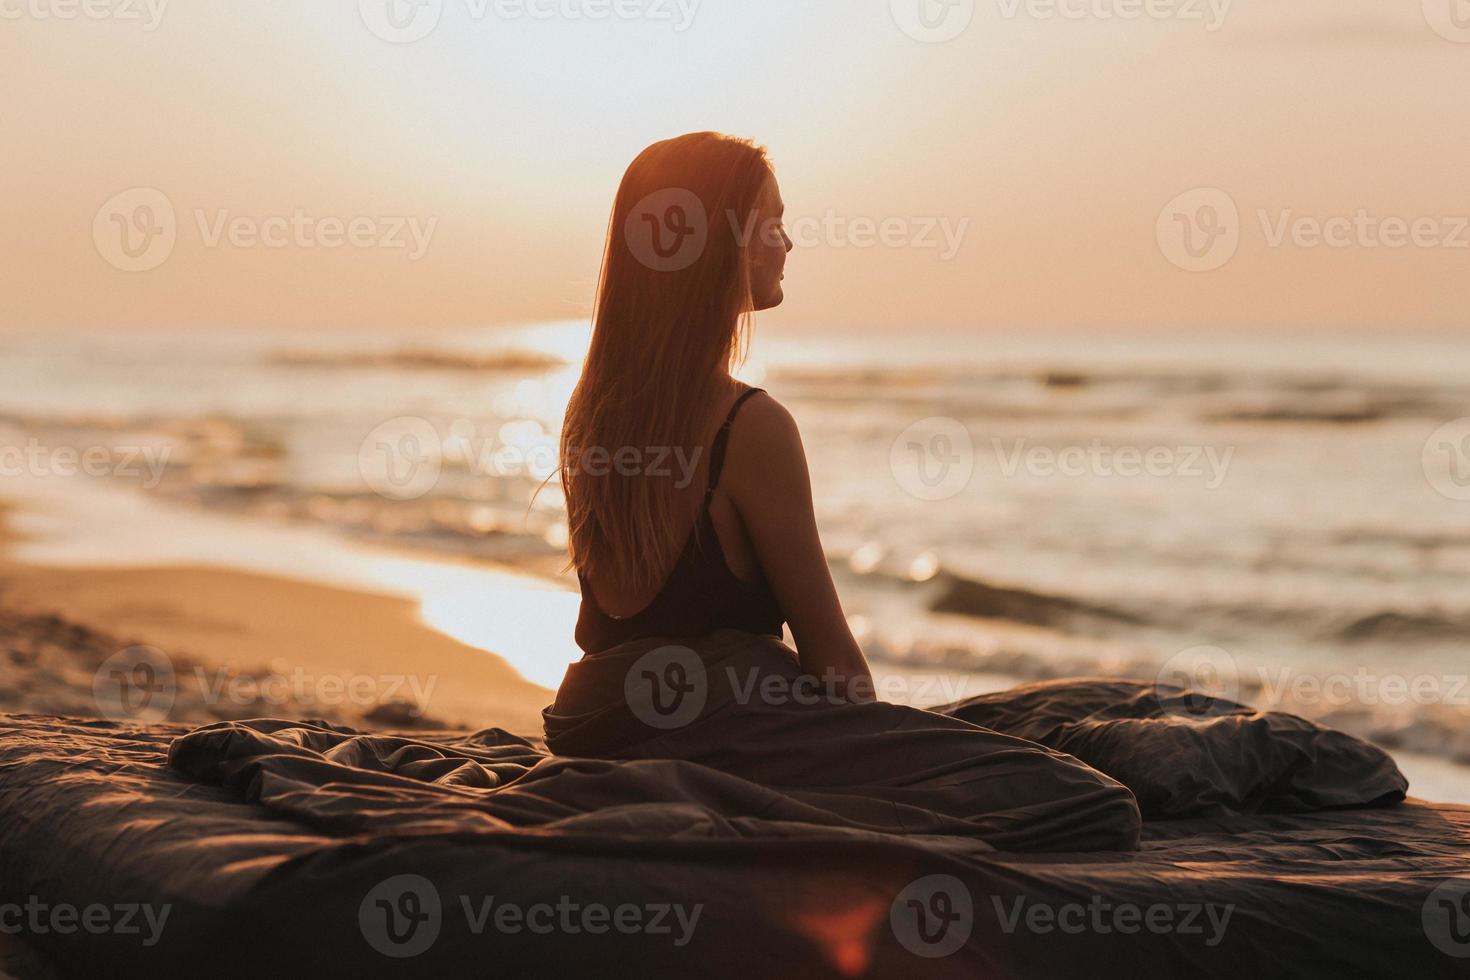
(717, 451)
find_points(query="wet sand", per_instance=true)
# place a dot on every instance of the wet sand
(243, 644)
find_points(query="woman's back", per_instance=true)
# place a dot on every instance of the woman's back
(715, 583)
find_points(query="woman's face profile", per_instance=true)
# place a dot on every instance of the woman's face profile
(769, 247)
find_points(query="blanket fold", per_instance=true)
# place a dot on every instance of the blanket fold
(740, 704)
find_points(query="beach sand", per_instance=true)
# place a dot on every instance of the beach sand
(266, 645)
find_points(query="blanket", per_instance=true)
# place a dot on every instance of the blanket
(300, 849)
(739, 704)
(1038, 767)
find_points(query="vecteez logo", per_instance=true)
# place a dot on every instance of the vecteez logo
(408, 21)
(933, 917)
(933, 21)
(401, 21)
(1450, 19)
(1199, 230)
(933, 459)
(136, 230)
(135, 685)
(1446, 460)
(1446, 917)
(401, 917)
(404, 916)
(667, 688)
(668, 230)
(401, 459)
(1211, 674)
(148, 13)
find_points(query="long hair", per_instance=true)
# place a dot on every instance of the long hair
(673, 311)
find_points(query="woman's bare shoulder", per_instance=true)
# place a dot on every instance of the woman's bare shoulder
(765, 445)
(764, 422)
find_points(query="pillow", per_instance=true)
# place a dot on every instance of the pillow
(1186, 754)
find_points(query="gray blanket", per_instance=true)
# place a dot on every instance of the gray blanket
(739, 704)
(890, 845)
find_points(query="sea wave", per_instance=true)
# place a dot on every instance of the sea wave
(1383, 705)
(972, 597)
(423, 359)
(1213, 397)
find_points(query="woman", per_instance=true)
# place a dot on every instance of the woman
(689, 570)
(736, 547)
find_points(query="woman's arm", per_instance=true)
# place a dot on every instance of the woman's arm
(766, 477)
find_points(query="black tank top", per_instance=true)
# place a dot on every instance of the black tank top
(700, 595)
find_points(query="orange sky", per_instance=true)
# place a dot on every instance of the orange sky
(1051, 143)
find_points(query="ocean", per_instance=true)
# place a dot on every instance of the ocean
(1282, 517)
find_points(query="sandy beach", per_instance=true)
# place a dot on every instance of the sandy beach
(246, 645)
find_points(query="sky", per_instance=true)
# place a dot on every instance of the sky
(945, 163)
